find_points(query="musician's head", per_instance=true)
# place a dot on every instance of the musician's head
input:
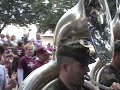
(73, 60)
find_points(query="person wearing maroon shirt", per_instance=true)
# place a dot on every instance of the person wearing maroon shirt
(20, 49)
(26, 64)
(49, 47)
(6, 84)
(8, 57)
(43, 57)
(8, 52)
(19, 52)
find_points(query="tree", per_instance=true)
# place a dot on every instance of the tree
(44, 13)
(50, 13)
(17, 12)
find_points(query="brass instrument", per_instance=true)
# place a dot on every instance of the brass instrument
(116, 21)
(88, 19)
(99, 67)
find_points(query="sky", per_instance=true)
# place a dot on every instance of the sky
(19, 31)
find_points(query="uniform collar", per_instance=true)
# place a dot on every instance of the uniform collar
(62, 86)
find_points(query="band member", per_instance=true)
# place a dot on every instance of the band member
(73, 60)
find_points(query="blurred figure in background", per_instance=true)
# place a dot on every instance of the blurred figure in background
(43, 57)
(8, 58)
(7, 39)
(13, 40)
(6, 84)
(2, 39)
(49, 47)
(19, 52)
(38, 42)
(25, 64)
(25, 38)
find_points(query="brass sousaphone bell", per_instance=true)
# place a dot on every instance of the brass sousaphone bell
(115, 23)
(88, 19)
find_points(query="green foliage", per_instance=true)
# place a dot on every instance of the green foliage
(50, 13)
(17, 12)
(44, 14)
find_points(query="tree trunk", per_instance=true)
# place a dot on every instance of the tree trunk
(2, 27)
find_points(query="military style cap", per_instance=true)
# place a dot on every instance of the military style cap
(117, 46)
(76, 50)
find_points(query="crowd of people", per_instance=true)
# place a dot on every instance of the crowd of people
(19, 58)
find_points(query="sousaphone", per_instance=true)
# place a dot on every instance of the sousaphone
(87, 20)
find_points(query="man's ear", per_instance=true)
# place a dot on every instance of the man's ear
(65, 67)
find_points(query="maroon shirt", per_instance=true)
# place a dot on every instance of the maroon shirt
(27, 64)
(8, 51)
(39, 63)
(20, 51)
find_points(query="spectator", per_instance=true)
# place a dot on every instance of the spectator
(3, 80)
(25, 38)
(49, 47)
(43, 57)
(7, 39)
(19, 52)
(8, 58)
(13, 40)
(20, 49)
(38, 42)
(26, 64)
(2, 39)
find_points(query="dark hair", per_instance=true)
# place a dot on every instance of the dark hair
(20, 43)
(64, 59)
(1, 49)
